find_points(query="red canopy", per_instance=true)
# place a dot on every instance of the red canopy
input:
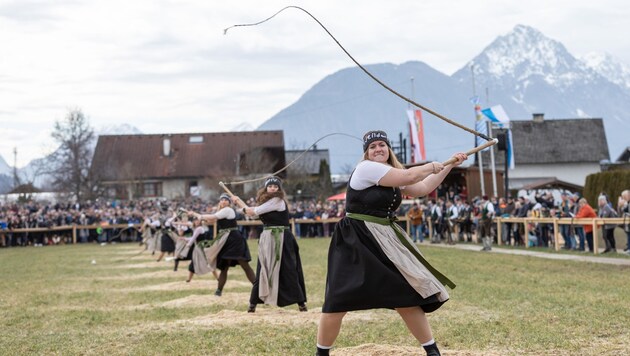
(340, 196)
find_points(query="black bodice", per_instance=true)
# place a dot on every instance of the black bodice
(275, 218)
(376, 201)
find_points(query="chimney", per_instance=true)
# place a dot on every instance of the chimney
(166, 146)
(538, 117)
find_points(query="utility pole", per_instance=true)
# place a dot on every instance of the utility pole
(16, 180)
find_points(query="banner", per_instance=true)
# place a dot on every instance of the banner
(497, 115)
(480, 126)
(416, 136)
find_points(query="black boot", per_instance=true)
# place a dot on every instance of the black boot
(176, 264)
(322, 352)
(251, 308)
(302, 307)
(432, 350)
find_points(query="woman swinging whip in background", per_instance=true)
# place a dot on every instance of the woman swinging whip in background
(279, 276)
(372, 263)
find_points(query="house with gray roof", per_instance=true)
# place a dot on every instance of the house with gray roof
(308, 173)
(557, 150)
(184, 165)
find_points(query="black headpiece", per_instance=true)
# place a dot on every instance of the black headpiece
(273, 180)
(372, 136)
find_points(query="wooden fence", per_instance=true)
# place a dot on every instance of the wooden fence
(597, 223)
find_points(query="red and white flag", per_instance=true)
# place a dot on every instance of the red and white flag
(416, 136)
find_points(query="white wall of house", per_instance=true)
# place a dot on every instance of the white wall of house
(574, 173)
(172, 189)
(179, 188)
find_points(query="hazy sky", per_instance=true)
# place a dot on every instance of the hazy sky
(166, 66)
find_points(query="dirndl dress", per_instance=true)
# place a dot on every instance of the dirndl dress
(279, 276)
(372, 262)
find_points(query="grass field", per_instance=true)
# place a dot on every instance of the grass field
(53, 300)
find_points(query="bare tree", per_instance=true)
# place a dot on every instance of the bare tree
(73, 158)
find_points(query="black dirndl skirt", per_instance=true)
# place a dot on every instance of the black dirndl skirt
(167, 244)
(291, 287)
(234, 249)
(360, 275)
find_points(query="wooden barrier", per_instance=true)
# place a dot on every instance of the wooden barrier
(74, 228)
(597, 223)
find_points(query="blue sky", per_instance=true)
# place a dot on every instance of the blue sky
(166, 66)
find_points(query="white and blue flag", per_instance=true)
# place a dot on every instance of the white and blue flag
(497, 115)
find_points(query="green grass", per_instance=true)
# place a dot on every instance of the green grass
(54, 301)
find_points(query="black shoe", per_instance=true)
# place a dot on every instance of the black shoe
(607, 250)
(302, 307)
(432, 350)
(251, 308)
(322, 352)
(218, 292)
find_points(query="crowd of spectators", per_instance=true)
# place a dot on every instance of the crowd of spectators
(452, 218)
(49, 219)
(455, 219)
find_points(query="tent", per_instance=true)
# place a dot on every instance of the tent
(340, 196)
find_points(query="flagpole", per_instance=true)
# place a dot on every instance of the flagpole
(492, 165)
(477, 115)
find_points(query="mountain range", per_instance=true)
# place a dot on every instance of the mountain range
(524, 71)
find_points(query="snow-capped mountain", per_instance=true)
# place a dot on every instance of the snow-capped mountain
(528, 73)
(608, 67)
(122, 129)
(4, 167)
(524, 71)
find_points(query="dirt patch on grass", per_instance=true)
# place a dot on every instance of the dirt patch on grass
(197, 300)
(288, 316)
(395, 350)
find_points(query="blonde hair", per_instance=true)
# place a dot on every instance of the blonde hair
(392, 160)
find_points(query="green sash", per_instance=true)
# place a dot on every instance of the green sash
(276, 232)
(208, 243)
(401, 236)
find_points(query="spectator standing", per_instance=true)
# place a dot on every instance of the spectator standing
(415, 216)
(564, 211)
(436, 220)
(605, 211)
(586, 211)
(485, 223)
(624, 211)
(450, 221)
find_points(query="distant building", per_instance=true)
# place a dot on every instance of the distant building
(308, 173)
(185, 165)
(558, 152)
(622, 162)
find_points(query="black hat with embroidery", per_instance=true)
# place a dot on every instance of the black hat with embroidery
(372, 136)
(225, 196)
(273, 181)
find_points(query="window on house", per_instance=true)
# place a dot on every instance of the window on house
(195, 139)
(193, 188)
(153, 189)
